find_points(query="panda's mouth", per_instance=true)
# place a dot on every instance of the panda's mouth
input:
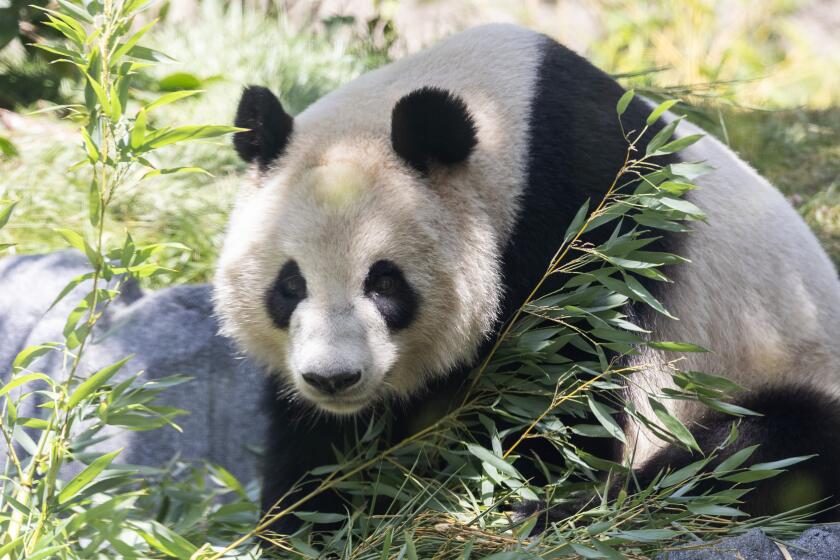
(342, 404)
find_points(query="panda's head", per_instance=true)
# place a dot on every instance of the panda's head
(357, 263)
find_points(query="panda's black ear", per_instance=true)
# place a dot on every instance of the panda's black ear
(431, 125)
(270, 127)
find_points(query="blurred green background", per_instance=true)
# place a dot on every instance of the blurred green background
(762, 75)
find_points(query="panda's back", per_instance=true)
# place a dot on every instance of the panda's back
(764, 294)
(759, 292)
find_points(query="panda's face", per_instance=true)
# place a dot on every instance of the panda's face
(332, 277)
(347, 272)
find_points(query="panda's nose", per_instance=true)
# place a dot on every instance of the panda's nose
(334, 382)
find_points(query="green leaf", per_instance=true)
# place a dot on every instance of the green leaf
(678, 145)
(676, 188)
(24, 379)
(410, 550)
(6, 213)
(690, 170)
(76, 10)
(577, 222)
(48, 552)
(751, 476)
(165, 540)
(681, 205)
(624, 101)
(101, 96)
(673, 425)
(641, 293)
(10, 546)
(7, 148)
(494, 460)
(682, 474)
(171, 98)
(124, 48)
(138, 131)
(735, 460)
(174, 170)
(167, 136)
(78, 242)
(714, 510)
(90, 147)
(93, 382)
(656, 113)
(145, 53)
(34, 423)
(647, 535)
(662, 137)
(676, 346)
(86, 476)
(317, 517)
(116, 108)
(714, 381)
(781, 464)
(70, 286)
(31, 353)
(179, 81)
(602, 413)
(728, 408)
(94, 203)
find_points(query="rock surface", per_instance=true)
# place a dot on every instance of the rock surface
(168, 332)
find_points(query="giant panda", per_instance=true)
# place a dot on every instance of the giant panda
(388, 231)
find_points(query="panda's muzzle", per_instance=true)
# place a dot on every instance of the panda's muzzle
(332, 383)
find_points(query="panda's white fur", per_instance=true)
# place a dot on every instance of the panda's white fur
(758, 291)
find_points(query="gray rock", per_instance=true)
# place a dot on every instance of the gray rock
(168, 332)
(817, 543)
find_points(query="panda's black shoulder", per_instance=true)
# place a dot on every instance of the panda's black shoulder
(576, 147)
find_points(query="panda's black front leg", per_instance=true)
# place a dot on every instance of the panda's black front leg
(296, 444)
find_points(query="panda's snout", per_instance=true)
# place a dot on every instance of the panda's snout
(332, 383)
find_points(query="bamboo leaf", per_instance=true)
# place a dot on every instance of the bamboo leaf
(676, 346)
(6, 213)
(101, 96)
(30, 354)
(174, 170)
(624, 101)
(673, 425)
(735, 460)
(781, 464)
(492, 459)
(602, 413)
(138, 131)
(93, 382)
(23, 380)
(86, 476)
(660, 109)
(124, 48)
(171, 98)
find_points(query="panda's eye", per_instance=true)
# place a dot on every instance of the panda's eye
(384, 285)
(284, 294)
(290, 282)
(293, 287)
(393, 296)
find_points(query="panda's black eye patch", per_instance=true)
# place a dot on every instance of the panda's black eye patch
(288, 289)
(393, 296)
